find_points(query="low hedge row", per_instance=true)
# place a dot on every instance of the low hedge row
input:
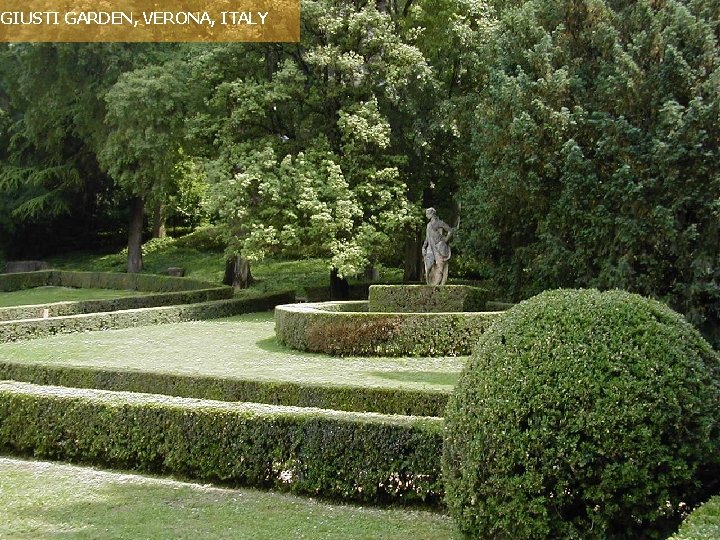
(426, 298)
(312, 327)
(362, 457)
(34, 328)
(24, 280)
(356, 291)
(136, 282)
(344, 398)
(101, 280)
(62, 309)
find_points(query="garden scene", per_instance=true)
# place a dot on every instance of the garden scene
(442, 269)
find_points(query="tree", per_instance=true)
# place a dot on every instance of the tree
(309, 124)
(597, 151)
(146, 110)
(54, 96)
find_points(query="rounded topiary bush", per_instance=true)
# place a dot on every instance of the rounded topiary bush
(585, 415)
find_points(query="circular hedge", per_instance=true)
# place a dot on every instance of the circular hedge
(583, 414)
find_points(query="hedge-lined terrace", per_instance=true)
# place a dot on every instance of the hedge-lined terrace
(364, 457)
(235, 359)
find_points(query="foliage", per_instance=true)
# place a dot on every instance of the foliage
(36, 328)
(25, 280)
(117, 301)
(146, 108)
(208, 238)
(241, 350)
(426, 299)
(103, 280)
(596, 148)
(50, 182)
(200, 265)
(52, 294)
(342, 328)
(341, 455)
(86, 126)
(187, 203)
(702, 524)
(403, 401)
(310, 163)
(583, 415)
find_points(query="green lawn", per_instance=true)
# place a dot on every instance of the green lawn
(270, 274)
(205, 266)
(48, 295)
(702, 524)
(42, 500)
(242, 347)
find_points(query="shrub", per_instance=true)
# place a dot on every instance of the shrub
(426, 298)
(321, 327)
(102, 280)
(35, 328)
(60, 309)
(404, 401)
(210, 238)
(583, 415)
(364, 457)
(138, 282)
(25, 280)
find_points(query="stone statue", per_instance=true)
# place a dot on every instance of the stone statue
(436, 249)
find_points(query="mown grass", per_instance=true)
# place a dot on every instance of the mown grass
(50, 501)
(208, 264)
(702, 524)
(202, 265)
(42, 500)
(48, 295)
(270, 275)
(242, 347)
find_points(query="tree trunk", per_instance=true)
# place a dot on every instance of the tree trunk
(237, 273)
(339, 287)
(411, 266)
(159, 221)
(371, 273)
(137, 213)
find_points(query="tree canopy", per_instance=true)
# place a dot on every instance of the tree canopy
(579, 137)
(596, 146)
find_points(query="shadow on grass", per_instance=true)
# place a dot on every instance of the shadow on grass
(80, 503)
(271, 344)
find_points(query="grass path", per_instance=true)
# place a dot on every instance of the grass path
(43, 500)
(242, 347)
(48, 295)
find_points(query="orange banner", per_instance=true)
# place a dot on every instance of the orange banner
(149, 20)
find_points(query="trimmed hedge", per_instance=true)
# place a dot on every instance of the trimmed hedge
(356, 291)
(136, 282)
(25, 280)
(426, 298)
(102, 280)
(62, 309)
(321, 327)
(361, 291)
(34, 328)
(362, 457)
(345, 398)
(583, 414)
